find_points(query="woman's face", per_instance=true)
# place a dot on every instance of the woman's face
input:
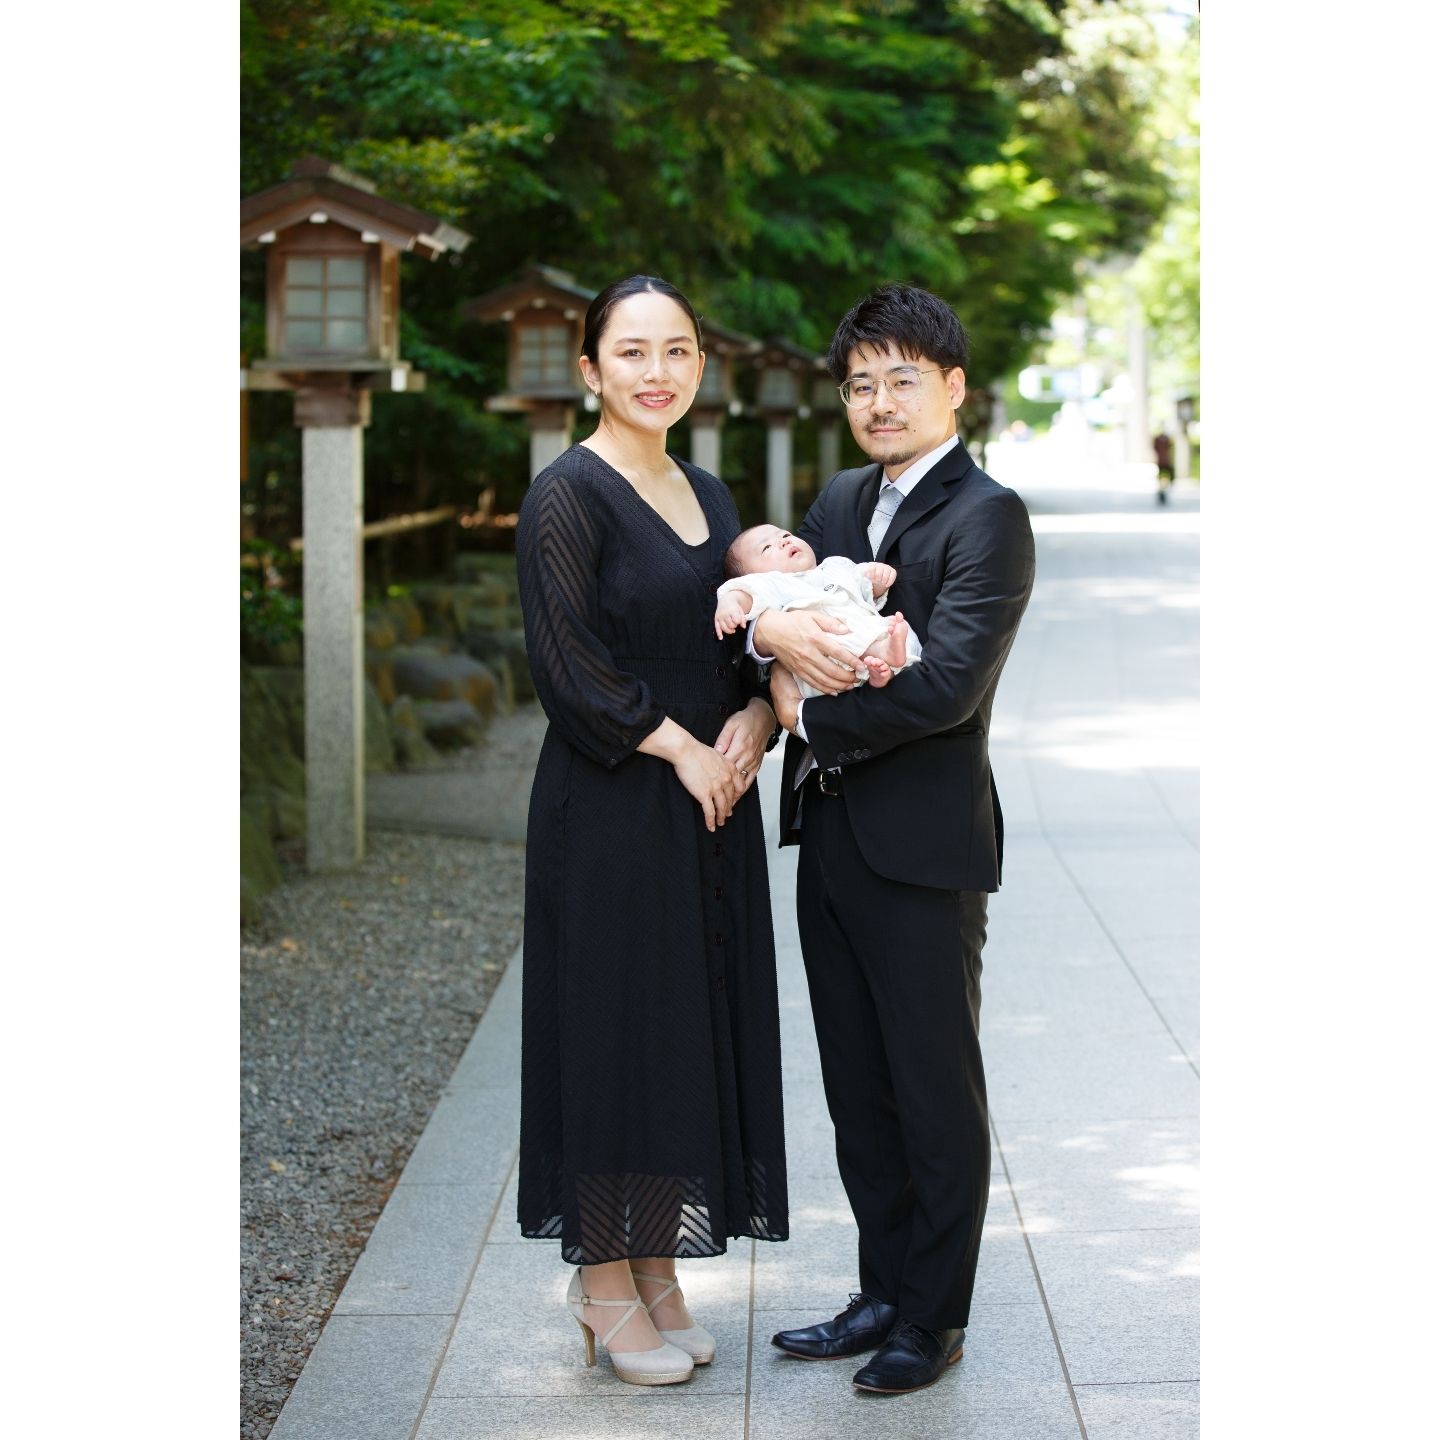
(650, 364)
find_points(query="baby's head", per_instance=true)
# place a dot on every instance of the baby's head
(766, 547)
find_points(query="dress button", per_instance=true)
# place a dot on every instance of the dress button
(719, 938)
(723, 709)
(719, 849)
(718, 892)
(720, 982)
(719, 672)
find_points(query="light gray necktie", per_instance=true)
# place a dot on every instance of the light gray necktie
(885, 508)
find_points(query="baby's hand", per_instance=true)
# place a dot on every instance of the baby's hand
(880, 576)
(730, 613)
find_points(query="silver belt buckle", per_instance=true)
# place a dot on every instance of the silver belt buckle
(829, 784)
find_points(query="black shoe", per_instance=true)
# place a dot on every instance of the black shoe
(860, 1326)
(912, 1358)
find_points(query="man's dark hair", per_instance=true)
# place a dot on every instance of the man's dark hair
(733, 564)
(918, 324)
(598, 315)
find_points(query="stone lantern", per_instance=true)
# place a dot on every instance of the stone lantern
(332, 328)
(716, 397)
(786, 372)
(545, 311)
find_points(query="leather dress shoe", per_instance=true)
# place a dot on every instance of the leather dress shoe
(860, 1326)
(911, 1358)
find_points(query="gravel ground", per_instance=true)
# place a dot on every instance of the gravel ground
(359, 993)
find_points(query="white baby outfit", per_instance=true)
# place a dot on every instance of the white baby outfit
(837, 588)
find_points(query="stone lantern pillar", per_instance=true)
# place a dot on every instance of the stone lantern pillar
(829, 412)
(716, 397)
(333, 338)
(1184, 414)
(783, 367)
(545, 313)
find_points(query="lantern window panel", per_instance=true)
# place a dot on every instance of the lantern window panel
(345, 334)
(712, 382)
(326, 304)
(777, 388)
(544, 355)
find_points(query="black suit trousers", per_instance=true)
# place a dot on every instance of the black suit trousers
(894, 977)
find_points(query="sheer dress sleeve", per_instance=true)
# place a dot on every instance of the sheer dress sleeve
(600, 709)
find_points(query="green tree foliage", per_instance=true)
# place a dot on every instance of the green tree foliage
(775, 158)
(1157, 266)
(1168, 273)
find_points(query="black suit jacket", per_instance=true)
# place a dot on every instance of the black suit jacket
(915, 755)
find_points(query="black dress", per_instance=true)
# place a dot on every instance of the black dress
(650, 1117)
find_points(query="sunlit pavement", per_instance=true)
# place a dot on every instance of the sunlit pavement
(1086, 1312)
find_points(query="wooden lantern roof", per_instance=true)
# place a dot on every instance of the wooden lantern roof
(721, 341)
(317, 187)
(779, 352)
(540, 287)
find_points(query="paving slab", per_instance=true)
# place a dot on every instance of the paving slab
(366, 1378)
(1103, 1175)
(419, 1256)
(1135, 1076)
(1145, 1410)
(1125, 1303)
(659, 1413)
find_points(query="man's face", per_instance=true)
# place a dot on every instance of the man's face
(895, 432)
(768, 547)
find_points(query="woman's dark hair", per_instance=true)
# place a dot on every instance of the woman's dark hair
(918, 324)
(598, 315)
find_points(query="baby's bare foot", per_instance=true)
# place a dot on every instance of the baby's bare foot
(892, 649)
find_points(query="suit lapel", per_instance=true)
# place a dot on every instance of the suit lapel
(866, 495)
(849, 514)
(932, 492)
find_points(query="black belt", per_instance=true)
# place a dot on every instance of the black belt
(830, 782)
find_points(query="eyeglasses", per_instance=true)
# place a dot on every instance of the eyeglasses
(903, 384)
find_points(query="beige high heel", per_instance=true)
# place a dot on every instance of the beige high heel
(667, 1365)
(697, 1342)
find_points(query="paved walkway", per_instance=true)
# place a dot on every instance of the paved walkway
(1086, 1313)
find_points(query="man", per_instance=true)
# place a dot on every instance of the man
(888, 791)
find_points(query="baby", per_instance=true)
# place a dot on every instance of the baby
(772, 570)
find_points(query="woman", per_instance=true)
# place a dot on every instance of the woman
(650, 1095)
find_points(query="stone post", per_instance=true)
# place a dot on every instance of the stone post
(1140, 445)
(828, 449)
(1182, 442)
(779, 447)
(705, 439)
(331, 421)
(550, 427)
